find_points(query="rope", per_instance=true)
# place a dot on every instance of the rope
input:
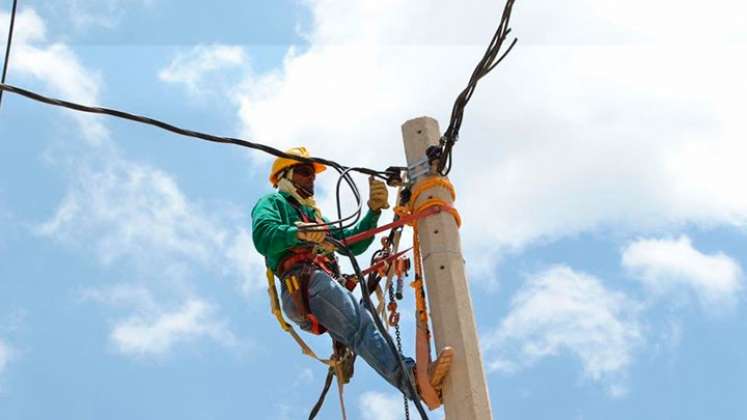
(7, 46)
(429, 183)
(418, 189)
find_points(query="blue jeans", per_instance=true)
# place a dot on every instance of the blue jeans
(348, 322)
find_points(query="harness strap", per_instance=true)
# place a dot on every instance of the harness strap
(275, 306)
(428, 393)
(340, 388)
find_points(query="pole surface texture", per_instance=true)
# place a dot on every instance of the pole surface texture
(465, 393)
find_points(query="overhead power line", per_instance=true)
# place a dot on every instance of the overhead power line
(186, 132)
(488, 62)
(7, 46)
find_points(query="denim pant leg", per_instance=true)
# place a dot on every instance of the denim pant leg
(351, 324)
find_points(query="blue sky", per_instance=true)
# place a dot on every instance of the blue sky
(599, 174)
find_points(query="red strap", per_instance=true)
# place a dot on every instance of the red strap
(402, 221)
(316, 328)
(382, 263)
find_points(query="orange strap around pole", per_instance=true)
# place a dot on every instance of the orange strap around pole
(430, 395)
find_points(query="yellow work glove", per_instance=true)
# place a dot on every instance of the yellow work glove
(378, 195)
(315, 236)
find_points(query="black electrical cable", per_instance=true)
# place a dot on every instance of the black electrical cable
(344, 175)
(325, 390)
(7, 46)
(488, 62)
(354, 187)
(216, 139)
(185, 132)
(341, 247)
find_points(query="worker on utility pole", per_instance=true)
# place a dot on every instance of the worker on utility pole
(312, 294)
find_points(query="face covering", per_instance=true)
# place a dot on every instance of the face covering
(285, 185)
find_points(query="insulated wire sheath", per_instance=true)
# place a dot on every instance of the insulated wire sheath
(7, 46)
(182, 131)
(344, 170)
(486, 64)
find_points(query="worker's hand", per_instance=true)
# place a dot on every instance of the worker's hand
(378, 195)
(316, 236)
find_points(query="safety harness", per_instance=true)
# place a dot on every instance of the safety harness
(391, 263)
(295, 271)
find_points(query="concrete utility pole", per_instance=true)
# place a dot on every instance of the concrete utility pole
(465, 392)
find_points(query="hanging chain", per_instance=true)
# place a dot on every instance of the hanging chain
(398, 336)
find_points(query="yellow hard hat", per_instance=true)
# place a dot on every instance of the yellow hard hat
(281, 163)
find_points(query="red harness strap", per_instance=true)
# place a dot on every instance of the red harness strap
(298, 287)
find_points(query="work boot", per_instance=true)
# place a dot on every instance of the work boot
(346, 359)
(429, 386)
(437, 370)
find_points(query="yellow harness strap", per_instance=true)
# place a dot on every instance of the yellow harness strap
(333, 363)
(275, 306)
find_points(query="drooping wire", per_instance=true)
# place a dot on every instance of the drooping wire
(343, 170)
(342, 222)
(345, 175)
(7, 45)
(488, 62)
(185, 132)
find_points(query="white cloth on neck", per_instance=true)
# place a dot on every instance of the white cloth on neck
(285, 185)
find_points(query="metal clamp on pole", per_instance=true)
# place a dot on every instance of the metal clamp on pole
(418, 169)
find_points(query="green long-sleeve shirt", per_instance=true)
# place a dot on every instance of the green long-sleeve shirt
(274, 231)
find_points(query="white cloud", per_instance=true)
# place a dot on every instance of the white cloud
(132, 213)
(667, 265)
(559, 140)
(379, 406)
(560, 310)
(29, 27)
(305, 377)
(156, 334)
(55, 65)
(4, 356)
(6, 219)
(85, 14)
(196, 69)
(155, 327)
(601, 22)
(132, 210)
(577, 22)
(127, 296)
(247, 263)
